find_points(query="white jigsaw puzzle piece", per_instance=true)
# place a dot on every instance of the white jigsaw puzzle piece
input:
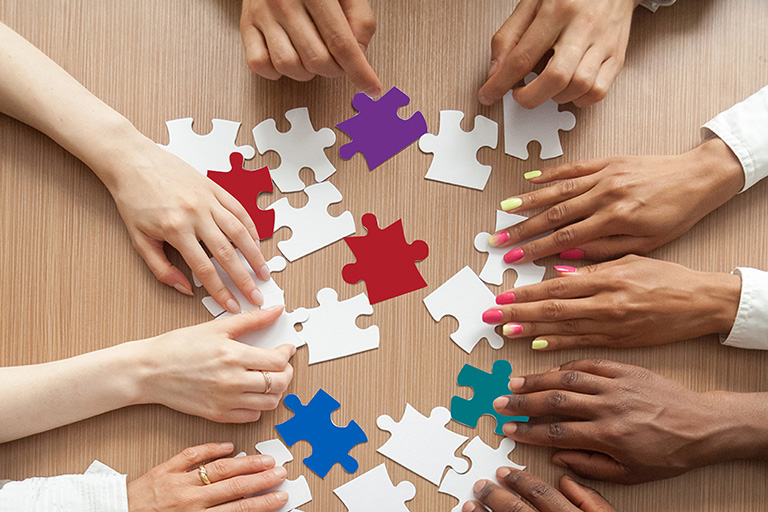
(208, 152)
(300, 147)
(281, 332)
(465, 297)
(374, 492)
(485, 462)
(312, 227)
(495, 266)
(542, 124)
(331, 331)
(455, 150)
(298, 490)
(422, 444)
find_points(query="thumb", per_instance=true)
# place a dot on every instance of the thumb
(586, 498)
(595, 466)
(243, 323)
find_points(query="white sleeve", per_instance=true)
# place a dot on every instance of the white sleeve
(750, 329)
(100, 489)
(652, 5)
(744, 128)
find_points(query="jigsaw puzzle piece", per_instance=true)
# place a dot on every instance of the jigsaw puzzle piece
(208, 152)
(455, 151)
(487, 387)
(423, 445)
(377, 131)
(374, 492)
(245, 185)
(298, 490)
(385, 261)
(300, 147)
(465, 297)
(542, 124)
(330, 443)
(281, 332)
(312, 227)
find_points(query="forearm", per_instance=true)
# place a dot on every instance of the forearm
(738, 428)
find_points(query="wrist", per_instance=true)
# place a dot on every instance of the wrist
(738, 427)
(718, 168)
(719, 295)
(136, 361)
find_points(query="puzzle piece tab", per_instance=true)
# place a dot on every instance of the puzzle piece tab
(208, 152)
(245, 185)
(542, 124)
(312, 226)
(377, 131)
(485, 462)
(298, 489)
(487, 387)
(374, 492)
(455, 150)
(423, 445)
(300, 147)
(330, 443)
(385, 261)
(465, 297)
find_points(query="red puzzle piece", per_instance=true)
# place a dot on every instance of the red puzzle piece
(385, 261)
(245, 185)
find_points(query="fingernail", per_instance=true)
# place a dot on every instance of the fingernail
(182, 289)
(282, 496)
(493, 316)
(232, 306)
(268, 460)
(499, 238)
(572, 254)
(264, 273)
(564, 269)
(511, 203)
(484, 99)
(532, 174)
(280, 472)
(469, 507)
(257, 298)
(559, 463)
(478, 486)
(513, 255)
(373, 91)
(502, 472)
(505, 298)
(516, 383)
(509, 428)
(227, 446)
(293, 350)
(539, 344)
(500, 403)
(511, 329)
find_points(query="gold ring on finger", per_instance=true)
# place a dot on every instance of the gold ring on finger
(203, 475)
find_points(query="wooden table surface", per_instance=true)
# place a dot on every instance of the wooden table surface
(70, 281)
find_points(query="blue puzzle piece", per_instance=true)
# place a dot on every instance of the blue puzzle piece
(330, 443)
(487, 388)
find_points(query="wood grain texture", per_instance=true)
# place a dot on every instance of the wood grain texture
(70, 281)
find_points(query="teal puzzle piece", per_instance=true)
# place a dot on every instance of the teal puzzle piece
(487, 388)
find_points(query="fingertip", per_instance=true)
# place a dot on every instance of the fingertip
(232, 306)
(267, 461)
(500, 403)
(183, 288)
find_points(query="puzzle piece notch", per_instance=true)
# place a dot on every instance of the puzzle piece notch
(331, 331)
(312, 227)
(330, 443)
(209, 152)
(542, 124)
(465, 297)
(487, 387)
(385, 261)
(374, 491)
(300, 147)
(455, 151)
(377, 131)
(298, 490)
(422, 444)
(245, 185)
(485, 462)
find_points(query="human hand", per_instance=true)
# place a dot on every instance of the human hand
(589, 39)
(303, 38)
(631, 302)
(606, 208)
(176, 485)
(202, 370)
(540, 496)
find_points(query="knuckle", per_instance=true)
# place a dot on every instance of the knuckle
(237, 486)
(559, 77)
(570, 378)
(341, 46)
(557, 213)
(557, 288)
(243, 506)
(556, 400)
(521, 60)
(541, 491)
(570, 326)
(565, 236)
(498, 40)
(204, 271)
(566, 187)
(190, 455)
(218, 467)
(553, 310)
(364, 27)
(172, 225)
(272, 401)
(555, 431)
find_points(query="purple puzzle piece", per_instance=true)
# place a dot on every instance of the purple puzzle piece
(377, 131)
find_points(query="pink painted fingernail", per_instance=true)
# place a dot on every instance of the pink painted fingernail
(505, 298)
(499, 238)
(493, 316)
(565, 269)
(572, 254)
(513, 255)
(512, 329)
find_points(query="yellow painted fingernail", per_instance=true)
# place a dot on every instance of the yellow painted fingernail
(532, 174)
(511, 203)
(539, 344)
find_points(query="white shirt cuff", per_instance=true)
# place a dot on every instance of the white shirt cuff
(750, 329)
(652, 5)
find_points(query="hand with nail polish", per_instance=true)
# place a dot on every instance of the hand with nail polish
(602, 209)
(630, 302)
(588, 39)
(304, 38)
(625, 424)
(176, 486)
(539, 496)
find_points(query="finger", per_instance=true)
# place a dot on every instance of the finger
(574, 435)
(564, 239)
(507, 37)
(549, 196)
(151, 251)
(226, 256)
(243, 323)
(548, 403)
(239, 416)
(240, 486)
(605, 78)
(612, 247)
(595, 466)
(533, 489)
(567, 380)
(203, 269)
(602, 367)
(222, 469)
(258, 401)
(282, 53)
(555, 77)
(560, 342)
(586, 498)
(273, 360)
(256, 53)
(575, 286)
(555, 310)
(196, 455)
(238, 233)
(337, 34)
(584, 77)
(568, 170)
(575, 327)
(237, 209)
(265, 503)
(312, 51)
(496, 498)
(361, 20)
(256, 381)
